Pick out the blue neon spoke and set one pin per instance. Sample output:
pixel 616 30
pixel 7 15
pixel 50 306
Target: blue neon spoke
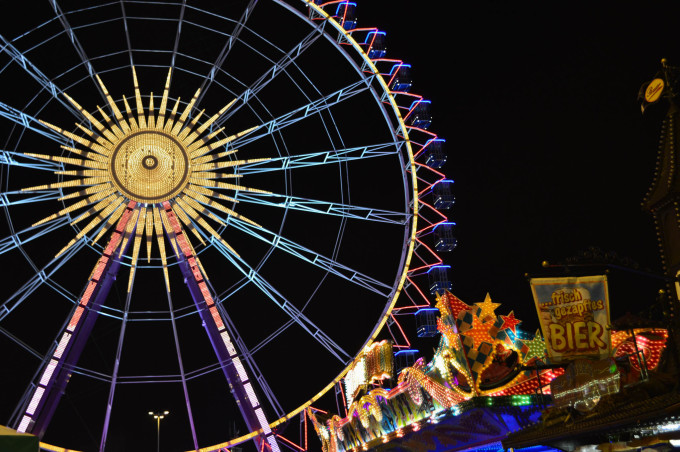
pixel 31 233
pixel 41 277
pixel 312 108
pixel 312 257
pixel 298 317
pixel 32 123
pixel 324 207
pixel 179 32
pixel 127 32
pixel 12 198
pixel 277 68
pixel 37 75
pixel 76 45
pixel 21 343
pixel 12 158
pixel 321 158
pixel 221 58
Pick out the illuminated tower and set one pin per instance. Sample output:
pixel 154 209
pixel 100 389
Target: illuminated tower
pixel 663 197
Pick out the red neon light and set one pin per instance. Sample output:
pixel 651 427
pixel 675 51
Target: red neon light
pixel 88 293
pixel 418 290
pixel 420 99
pixel 99 269
pixel 408 343
pixel 291 443
pixel 434 210
pixel 206 293
pixel 216 317
pixel 305 414
pixel 75 318
pixel 411 307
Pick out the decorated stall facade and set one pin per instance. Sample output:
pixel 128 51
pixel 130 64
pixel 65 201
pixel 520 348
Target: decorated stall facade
pixel 486 379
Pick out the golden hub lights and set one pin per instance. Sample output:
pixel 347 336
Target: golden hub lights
pixel 150 167
pixel 151 157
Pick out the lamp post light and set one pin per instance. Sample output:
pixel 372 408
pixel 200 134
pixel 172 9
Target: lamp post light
pixel 158 415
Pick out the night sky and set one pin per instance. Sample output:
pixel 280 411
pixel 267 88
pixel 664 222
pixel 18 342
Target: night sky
pixel 546 143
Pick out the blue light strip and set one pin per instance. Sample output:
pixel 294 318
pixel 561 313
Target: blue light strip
pixel 321 158
pixel 313 257
pixel 270 292
pixel 29 122
pixel 324 208
pixel 438 266
pixel 303 112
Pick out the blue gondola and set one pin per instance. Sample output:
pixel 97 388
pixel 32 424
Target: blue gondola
pixel 439 279
pixel 377 45
pixel 404 359
pixel 426 322
pixel 346 15
pixel 443 237
pixel 442 196
pixel 400 77
pixel 434 153
pixel 420 114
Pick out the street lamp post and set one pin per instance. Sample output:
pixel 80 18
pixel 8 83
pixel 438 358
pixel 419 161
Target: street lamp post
pixel 158 415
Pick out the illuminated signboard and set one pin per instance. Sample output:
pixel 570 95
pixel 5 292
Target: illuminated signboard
pixel 574 316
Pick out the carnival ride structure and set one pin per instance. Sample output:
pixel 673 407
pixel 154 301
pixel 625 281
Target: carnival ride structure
pixel 283 172
pixel 486 379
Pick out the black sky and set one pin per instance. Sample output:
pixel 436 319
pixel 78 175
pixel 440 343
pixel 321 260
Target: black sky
pixel 545 139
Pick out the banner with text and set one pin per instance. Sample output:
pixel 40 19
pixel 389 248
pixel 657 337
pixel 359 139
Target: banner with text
pixel 574 316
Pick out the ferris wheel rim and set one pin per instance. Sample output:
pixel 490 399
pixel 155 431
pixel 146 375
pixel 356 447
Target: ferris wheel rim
pixel 400 280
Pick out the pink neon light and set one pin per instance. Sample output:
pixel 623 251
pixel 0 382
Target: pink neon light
pixel 24 424
pixel 62 344
pixel 251 394
pixel 240 369
pixel 37 396
pixel 75 318
pixel 227 343
pixel 49 370
pixel 263 421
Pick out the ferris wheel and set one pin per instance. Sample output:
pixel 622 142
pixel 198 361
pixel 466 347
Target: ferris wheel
pixel 200 205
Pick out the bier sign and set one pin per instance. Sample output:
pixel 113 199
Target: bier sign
pixel 574 316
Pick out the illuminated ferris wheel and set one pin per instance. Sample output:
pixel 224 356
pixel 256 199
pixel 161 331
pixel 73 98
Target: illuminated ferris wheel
pixel 201 206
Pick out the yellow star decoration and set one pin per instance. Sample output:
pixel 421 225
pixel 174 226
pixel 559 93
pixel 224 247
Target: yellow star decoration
pixel 488 308
pixel 536 347
pixel 150 158
pixel 479 332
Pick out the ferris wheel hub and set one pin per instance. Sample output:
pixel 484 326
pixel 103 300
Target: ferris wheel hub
pixel 150 166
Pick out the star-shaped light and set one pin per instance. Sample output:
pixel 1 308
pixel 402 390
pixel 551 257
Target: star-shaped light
pixel 487 308
pixel 455 304
pixel 150 158
pixel 536 347
pixel 479 332
pixel 510 322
